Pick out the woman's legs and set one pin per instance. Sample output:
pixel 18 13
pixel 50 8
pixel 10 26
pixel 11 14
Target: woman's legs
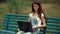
pixel 36 32
pixel 20 32
pixel 28 33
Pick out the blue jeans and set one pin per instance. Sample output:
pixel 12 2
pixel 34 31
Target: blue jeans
pixel 35 32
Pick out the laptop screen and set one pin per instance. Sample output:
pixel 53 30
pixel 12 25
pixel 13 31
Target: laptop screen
pixel 25 26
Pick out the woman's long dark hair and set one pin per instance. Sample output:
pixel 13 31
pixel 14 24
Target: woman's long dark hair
pixel 39 9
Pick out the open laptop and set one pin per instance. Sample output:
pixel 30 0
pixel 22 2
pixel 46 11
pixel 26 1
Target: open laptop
pixel 25 26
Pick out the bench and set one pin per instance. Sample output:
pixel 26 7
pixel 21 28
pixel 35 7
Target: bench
pixel 53 25
pixel 10 24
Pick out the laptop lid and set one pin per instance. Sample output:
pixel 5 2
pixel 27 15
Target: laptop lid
pixel 25 26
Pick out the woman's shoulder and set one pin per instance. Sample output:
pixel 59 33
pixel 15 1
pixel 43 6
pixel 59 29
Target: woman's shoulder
pixel 30 14
pixel 42 14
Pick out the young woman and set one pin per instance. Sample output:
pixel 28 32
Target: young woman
pixel 37 19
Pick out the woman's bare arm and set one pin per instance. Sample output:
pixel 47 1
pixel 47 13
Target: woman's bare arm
pixel 28 19
pixel 43 21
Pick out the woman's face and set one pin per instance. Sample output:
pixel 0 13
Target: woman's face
pixel 35 6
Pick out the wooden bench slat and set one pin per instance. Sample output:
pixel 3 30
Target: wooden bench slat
pixel 56 25
pixel 53 21
pixel 16 19
pixel 51 31
pixel 12 26
pixel 9 32
pixel 10 22
pixel 10 29
pixel 24 15
pixel 52 28
pixel 52 18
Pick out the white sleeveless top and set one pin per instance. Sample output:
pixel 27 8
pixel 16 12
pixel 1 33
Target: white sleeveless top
pixel 38 19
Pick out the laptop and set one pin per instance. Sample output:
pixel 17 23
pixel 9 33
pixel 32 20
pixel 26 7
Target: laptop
pixel 25 26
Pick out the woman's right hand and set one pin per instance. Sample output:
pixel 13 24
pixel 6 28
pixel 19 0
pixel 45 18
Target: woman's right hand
pixel 34 28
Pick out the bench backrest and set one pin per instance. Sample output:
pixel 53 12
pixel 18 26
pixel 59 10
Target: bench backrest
pixel 53 25
pixel 10 23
